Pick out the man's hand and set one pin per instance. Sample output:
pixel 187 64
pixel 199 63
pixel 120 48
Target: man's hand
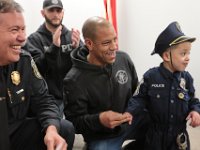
pixel 53 140
pixel 56 36
pixel 194 118
pixel 75 38
pixel 111 119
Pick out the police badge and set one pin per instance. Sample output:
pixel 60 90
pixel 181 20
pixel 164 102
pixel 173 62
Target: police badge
pixel 182 83
pixel 15 77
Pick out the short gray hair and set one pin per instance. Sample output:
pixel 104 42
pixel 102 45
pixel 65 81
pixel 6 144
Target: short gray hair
pixel 10 6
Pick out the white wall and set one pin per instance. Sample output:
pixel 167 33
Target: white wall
pixel 76 12
pixel 139 23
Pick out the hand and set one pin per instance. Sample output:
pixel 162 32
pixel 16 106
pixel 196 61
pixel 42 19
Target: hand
pixel 53 140
pixel 75 38
pixel 111 119
pixel 194 118
pixel 129 116
pixel 56 36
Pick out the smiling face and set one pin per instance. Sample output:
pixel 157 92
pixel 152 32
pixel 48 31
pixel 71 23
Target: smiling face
pixel 103 48
pixel 12 37
pixel 179 58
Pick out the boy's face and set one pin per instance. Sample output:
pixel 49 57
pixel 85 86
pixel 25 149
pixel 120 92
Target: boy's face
pixel 180 57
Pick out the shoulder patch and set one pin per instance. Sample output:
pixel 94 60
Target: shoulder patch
pixel 138 87
pixel 35 70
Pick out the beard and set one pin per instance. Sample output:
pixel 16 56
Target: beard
pixel 48 21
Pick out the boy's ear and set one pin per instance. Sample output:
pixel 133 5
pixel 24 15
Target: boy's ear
pixel 166 56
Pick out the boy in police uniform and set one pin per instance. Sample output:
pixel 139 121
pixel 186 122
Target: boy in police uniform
pixel 168 94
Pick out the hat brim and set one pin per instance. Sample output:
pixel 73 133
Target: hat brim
pixel 54 6
pixel 182 39
pixel 177 41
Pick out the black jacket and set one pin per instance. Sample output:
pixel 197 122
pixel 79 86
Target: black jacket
pixel 90 90
pixel 27 95
pixel 53 62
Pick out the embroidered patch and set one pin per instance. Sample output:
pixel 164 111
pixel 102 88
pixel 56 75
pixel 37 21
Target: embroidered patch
pixel 121 76
pixel 35 70
pixel 138 87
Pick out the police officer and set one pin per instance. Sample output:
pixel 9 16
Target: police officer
pixel 29 117
pixel 51 46
pixel 167 92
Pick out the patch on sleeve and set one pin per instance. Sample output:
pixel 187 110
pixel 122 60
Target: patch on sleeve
pixel 138 87
pixel 35 70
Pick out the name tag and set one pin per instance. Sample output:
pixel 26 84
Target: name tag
pixel 158 85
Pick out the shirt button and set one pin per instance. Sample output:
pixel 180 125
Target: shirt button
pixel 172 101
pixel 158 96
pixel 173 88
pixel 172 116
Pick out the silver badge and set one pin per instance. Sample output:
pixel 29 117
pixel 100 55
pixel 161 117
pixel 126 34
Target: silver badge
pixel 183 83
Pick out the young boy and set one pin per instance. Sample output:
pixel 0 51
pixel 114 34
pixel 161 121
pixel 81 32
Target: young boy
pixel 168 94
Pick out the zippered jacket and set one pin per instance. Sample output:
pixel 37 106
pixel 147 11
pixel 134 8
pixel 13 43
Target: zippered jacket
pixel 53 62
pixel 90 90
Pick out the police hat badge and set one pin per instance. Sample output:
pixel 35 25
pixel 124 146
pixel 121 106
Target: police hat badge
pixel 15 77
pixel 170 36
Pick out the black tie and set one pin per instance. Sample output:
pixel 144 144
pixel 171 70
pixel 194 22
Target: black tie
pixel 4 136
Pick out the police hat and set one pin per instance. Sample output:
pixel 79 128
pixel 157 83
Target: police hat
pixel 172 35
pixel 47 4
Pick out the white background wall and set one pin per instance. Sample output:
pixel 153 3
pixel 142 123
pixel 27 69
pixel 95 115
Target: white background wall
pixel 139 23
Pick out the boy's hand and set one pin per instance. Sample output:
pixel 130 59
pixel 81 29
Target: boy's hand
pixel 194 118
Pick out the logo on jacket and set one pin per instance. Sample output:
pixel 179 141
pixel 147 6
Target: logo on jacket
pixel 15 77
pixel 121 76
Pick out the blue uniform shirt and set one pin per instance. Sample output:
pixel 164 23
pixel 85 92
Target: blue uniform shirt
pixel 169 97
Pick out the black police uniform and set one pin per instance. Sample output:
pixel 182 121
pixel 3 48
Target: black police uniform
pixel 27 98
pixel 168 96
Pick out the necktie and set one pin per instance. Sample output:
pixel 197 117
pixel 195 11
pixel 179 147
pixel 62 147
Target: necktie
pixel 4 136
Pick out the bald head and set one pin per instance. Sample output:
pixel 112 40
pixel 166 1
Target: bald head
pixel 91 26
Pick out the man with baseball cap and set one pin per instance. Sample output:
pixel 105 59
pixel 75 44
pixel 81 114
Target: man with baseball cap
pixel 47 4
pixel 50 47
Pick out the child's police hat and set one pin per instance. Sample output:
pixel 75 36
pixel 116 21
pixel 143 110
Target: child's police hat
pixel 172 35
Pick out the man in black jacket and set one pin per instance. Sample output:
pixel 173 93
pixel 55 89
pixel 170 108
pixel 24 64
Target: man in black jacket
pixel 98 87
pixel 51 46
pixel 29 116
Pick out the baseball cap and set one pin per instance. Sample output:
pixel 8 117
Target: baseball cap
pixel 172 35
pixel 47 4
